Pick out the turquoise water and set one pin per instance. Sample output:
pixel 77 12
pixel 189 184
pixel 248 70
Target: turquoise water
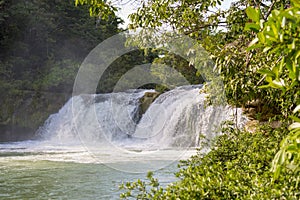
pixel 94 143
pixel 65 174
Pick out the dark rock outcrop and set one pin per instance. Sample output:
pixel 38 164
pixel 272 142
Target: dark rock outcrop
pixel 146 101
pixel 21 115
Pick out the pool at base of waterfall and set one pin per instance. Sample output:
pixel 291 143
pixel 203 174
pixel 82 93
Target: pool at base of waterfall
pixel 97 141
pixel 39 170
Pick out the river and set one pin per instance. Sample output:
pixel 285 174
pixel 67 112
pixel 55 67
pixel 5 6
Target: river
pixel 36 170
pixel 96 142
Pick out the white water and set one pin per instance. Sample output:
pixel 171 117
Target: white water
pixel 175 119
pixel 106 128
pixel 87 148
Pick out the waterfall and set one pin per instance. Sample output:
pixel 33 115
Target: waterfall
pixel 95 118
pixel 176 118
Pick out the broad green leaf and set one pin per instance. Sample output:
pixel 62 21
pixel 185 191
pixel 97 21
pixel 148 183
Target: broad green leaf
pixel 253 13
pixel 275 30
pixel 297 54
pixel 296 119
pixel 267 72
pixel 261 37
pixel 271 38
pixel 295 3
pixel 277 84
pixel 276 72
pixel 255 46
pixel 252 27
pixel 269 79
pixel 288 15
pixel 292 148
pixel 294 67
pixel 289 66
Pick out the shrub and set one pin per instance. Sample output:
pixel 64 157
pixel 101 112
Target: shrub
pixel 237 167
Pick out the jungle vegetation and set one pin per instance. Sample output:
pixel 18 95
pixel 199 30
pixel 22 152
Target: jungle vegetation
pixel 256 49
pixel 255 45
pixel 42 45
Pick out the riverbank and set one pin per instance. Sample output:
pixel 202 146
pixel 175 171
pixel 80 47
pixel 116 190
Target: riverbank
pixel 237 167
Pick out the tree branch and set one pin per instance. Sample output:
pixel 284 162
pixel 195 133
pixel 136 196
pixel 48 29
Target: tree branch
pixel 269 11
pixel 205 26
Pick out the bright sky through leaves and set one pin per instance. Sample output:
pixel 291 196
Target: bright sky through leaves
pixel 129 7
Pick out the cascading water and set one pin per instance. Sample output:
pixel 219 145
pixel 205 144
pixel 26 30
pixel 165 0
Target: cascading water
pixel 179 117
pixel 94 118
pixel 175 119
pixel 109 129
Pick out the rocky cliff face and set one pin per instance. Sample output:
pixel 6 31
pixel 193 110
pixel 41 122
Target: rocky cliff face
pixel 21 114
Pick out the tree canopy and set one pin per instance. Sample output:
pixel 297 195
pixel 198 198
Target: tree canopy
pixel 42 44
pixel 255 47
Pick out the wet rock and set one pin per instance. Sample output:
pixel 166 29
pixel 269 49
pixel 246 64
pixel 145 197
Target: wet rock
pixel 146 101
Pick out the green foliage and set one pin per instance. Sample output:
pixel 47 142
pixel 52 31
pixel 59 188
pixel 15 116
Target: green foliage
pixel 279 36
pixel 179 59
pixel 32 33
pixel 98 8
pixel 60 77
pixel 120 67
pixel 221 33
pixel 186 16
pixel 238 66
pixel 289 154
pixel 180 65
pixel 250 50
pixel 237 167
pixel 141 189
pixel 42 44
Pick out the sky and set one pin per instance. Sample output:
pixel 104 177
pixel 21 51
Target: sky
pixel 128 7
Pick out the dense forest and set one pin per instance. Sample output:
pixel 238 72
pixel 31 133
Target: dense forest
pixel 42 44
pixel 255 45
pixel 256 49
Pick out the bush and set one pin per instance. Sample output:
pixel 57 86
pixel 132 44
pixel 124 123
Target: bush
pixel 237 167
pixel 279 36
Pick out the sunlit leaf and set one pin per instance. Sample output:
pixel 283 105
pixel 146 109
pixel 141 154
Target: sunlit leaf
pixel 253 13
pixel 294 125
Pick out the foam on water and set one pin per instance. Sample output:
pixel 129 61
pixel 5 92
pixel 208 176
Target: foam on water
pixel 107 128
